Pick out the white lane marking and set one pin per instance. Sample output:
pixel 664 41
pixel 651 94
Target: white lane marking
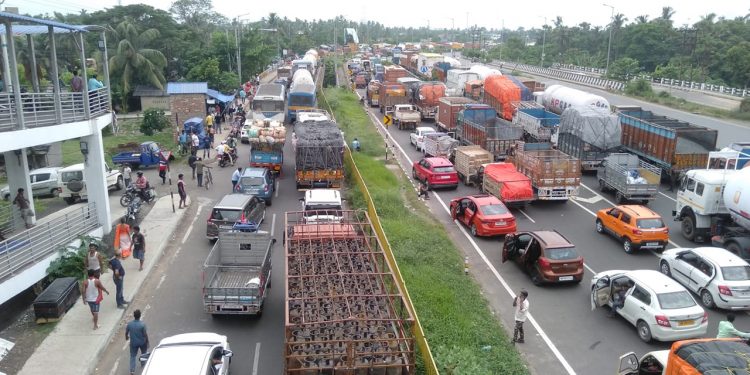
pixel 273 223
pixel 505 285
pixel 256 359
pixel 276 189
pixel 116 365
pixel 592 200
pixel 190 228
pixel 599 195
pixel 668 197
pixel 163 277
pixel 527 215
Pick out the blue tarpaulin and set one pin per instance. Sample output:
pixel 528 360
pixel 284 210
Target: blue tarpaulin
pixel 219 96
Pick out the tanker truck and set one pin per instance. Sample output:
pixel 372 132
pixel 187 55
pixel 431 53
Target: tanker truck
pixel 557 98
pixel 715 202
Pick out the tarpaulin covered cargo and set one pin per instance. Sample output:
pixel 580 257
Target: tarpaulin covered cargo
pixel 320 145
pixel 428 93
pixel 599 129
pixel 708 356
pixel 526 94
pixel 507 184
pixel 500 92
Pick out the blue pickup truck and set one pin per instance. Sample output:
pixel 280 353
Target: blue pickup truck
pixel 267 156
pixel 149 154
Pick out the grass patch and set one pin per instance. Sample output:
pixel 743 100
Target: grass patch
pixel 463 334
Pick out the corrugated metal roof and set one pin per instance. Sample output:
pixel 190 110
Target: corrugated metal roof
pixel 219 96
pixel 187 88
pixel 142 90
pixel 19 18
pixel 19 30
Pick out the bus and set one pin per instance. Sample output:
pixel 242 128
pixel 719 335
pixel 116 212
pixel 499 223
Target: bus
pixel 268 102
pixel 301 94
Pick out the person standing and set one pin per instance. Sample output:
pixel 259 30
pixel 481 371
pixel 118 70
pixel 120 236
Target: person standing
pixel 93 260
pixel 118 276
pixel 137 334
pixel 123 242
pixel 94 83
pixel 236 178
pixel 23 205
pixel 181 191
pixel 191 162
pixel 199 171
pixel 76 84
pixel 196 142
pixel 521 304
pixel 127 175
pixel 92 295
pixel 139 246
pixel 163 168
pixel 207 146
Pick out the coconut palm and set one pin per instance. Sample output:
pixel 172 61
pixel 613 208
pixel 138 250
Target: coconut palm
pixel 133 61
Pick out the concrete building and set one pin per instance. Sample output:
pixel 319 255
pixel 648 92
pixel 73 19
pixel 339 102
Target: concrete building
pixel 151 97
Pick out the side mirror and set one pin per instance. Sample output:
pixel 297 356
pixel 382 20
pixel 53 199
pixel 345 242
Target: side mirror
pixel 628 364
pixel 228 353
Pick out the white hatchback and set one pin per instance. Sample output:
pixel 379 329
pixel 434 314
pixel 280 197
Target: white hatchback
pixel 188 353
pixel 720 278
pixel 656 305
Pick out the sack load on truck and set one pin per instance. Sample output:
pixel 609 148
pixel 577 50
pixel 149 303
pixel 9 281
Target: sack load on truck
pixel 589 135
pixel 266 132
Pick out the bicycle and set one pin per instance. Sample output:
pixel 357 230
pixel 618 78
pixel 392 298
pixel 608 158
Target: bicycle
pixel 207 178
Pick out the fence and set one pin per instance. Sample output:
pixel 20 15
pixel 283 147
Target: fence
pixel 590 80
pixel 44 239
pixel 39 108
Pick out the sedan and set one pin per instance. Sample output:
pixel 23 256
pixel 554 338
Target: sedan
pixel 659 307
pixel 485 215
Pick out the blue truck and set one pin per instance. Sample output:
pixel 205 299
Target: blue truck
pixel 264 155
pixel 149 154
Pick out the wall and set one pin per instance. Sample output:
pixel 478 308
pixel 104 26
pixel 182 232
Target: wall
pixel 185 106
pixel 158 102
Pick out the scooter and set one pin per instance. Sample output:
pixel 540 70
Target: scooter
pixel 134 208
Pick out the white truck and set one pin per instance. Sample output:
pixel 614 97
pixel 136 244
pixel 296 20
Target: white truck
pixel 73 182
pixel 716 202
pixel 322 205
pixel 406 116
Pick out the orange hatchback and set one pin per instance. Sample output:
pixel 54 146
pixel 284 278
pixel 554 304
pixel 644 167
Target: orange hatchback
pixel 638 227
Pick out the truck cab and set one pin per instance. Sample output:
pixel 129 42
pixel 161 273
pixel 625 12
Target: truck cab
pixel 322 205
pixel 149 154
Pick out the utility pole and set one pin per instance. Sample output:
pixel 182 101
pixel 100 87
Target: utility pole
pixel 237 41
pixel 609 44
pixel 544 39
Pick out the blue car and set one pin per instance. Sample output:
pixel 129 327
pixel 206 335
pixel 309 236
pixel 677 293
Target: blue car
pixel 258 182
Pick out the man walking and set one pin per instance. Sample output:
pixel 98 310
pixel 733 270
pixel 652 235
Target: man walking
pixel 521 304
pixel 199 171
pixel 137 334
pixel 127 175
pixel 92 295
pixel 195 143
pixel 23 205
pixel 181 191
pixel 191 162
pixel 139 246
pixel 118 275
pixel 236 178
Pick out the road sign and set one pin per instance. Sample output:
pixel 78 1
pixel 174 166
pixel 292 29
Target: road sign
pixel 387 119
pixel 423 69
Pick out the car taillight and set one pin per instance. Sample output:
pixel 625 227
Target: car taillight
pixel 637 231
pixel 662 320
pixel 723 289
pixel 705 317
pixel 543 262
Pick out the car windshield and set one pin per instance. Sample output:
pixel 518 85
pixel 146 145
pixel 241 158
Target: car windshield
pixel 447 169
pixel 70 176
pixel 561 253
pixel 251 181
pixel 736 273
pixel 675 300
pixel 493 209
pixel 226 215
pixel 650 223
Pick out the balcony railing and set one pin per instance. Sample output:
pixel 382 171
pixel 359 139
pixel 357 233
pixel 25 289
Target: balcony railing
pixel 39 108
pixel 34 244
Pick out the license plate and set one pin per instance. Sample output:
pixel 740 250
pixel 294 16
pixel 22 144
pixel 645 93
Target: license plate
pixel 652 243
pixel 225 227
pixel 445 177
pixel 499 223
pixel 566 278
pixel 684 323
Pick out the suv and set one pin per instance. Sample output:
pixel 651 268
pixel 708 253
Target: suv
pixel 232 209
pixel 44 181
pixel 417 137
pixel 188 353
pixel 73 183
pixel 720 278
pixel 638 227
pixel 435 172
pixel 322 205
pixel 258 182
pixel 545 255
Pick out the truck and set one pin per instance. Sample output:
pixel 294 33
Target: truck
pixel 507 184
pixel 149 154
pixel 267 138
pixel 339 289
pixel 468 161
pixel 237 273
pixel 539 125
pixel 715 202
pixel 456 80
pixel 554 175
pixel 373 93
pixel 322 205
pixel 589 135
pixel 438 144
pixel 690 357
pixel 447 112
pixel 319 155
pixel 392 94
pixel 393 73
pixel 361 79
pixel 557 98
pixel 478 124
pixel 474 89
pixel 671 144
pixel 425 98
pixel 501 93
pixel 629 177
pixel 405 116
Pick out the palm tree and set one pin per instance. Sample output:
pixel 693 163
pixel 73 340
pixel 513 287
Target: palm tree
pixel 133 61
pixel 641 19
pixel 667 13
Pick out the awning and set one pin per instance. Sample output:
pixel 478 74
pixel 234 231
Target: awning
pixel 219 96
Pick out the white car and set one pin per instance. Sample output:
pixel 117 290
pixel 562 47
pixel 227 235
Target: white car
pixel 44 181
pixel 73 182
pixel 417 137
pixel 245 134
pixel 720 278
pixel 659 307
pixel 187 353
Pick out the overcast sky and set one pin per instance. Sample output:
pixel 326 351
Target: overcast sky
pixel 438 13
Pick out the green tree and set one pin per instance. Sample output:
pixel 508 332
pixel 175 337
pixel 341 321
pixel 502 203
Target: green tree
pixel 208 71
pixel 623 69
pixel 154 120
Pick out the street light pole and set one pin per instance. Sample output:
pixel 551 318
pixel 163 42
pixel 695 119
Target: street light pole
pixel 609 44
pixel 544 39
pixel 237 37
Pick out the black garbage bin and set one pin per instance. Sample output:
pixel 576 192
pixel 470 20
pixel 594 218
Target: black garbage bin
pixel 58 298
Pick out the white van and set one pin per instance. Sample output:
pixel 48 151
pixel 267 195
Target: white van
pixel 73 183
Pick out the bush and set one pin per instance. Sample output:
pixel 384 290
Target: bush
pixel 70 263
pixel 154 120
pixel 639 87
pixel 745 105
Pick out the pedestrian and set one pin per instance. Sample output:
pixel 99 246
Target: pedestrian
pixel 118 276
pixel 242 96
pixel 191 162
pixel 356 145
pixel 209 121
pixel 236 178
pixel 183 143
pixel 76 84
pixel 23 205
pixel 521 304
pixel 423 191
pixel 127 174
pixel 123 242
pixel 199 171
pixel 163 168
pixel 94 260
pixel 207 145
pixel 137 334
pixel 94 83
pixel 181 191
pixel 196 142
pixel 92 295
pixel 727 330
pixel 139 246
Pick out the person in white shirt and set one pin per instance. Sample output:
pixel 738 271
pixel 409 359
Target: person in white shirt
pixel 195 141
pixel 236 178
pixel 220 150
pixel 127 174
pixel 521 304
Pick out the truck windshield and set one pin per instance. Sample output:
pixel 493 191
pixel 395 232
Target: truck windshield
pixel 301 100
pixel 493 209
pixel 70 176
pixel 268 105
pixel 736 273
pixel 561 253
pixel 444 169
pixel 675 300
pixel 311 208
pixel 649 223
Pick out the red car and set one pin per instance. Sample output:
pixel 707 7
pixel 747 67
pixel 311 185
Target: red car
pixel 485 215
pixel 435 172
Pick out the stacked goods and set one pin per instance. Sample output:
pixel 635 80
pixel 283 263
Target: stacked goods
pixel 267 134
pixel 588 134
pixel 507 184
pixel 439 144
pixel 478 124
pixel 501 93
pixel 554 174
pixel 345 313
pixel 440 71
pixel 526 93
pixel 447 112
pixel 373 93
pixel 468 160
pixel 426 98
pixel 473 89
pixel 534 86
pixel 319 155
pixel 538 124
pixel 557 98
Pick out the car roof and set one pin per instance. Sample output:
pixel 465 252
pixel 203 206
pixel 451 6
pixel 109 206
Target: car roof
pixel 425 128
pixel 323 195
pixel 45 170
pixel 551 238
pixel 721 257
pixel 178 359
pixel 194 337
pixel 74 167
pixel 638 210
pixel 254 172
pixel 655 280
pixel 233 201
pixel 439 162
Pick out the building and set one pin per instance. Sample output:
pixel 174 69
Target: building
pixel 151 97
pixel 187 100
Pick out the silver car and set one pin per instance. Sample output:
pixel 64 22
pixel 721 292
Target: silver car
pixel 188 353
pixel 44 182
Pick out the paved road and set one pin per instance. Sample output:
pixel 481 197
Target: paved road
pixel 589 342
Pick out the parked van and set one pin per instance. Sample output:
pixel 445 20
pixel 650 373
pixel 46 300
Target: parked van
pixel 233 209
pixel 258 182
pixel 44 182
pixel 73 182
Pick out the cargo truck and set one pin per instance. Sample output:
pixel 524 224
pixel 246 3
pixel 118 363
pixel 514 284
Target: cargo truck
pixel 405 116
pixel 425 98
pixel 343 305
pixel 690 357
pixel 502 94
pixel 507 184
pixel 478 124
pixel 319 155
pixel 589 135
pixel 393 73
pixel 539 125
pixel 373 93
pixel 267 138
pixel 468 161
pixel 558 98
pixel 392 94
pixel 456 80
pixel 438 144
pixel 554 174
pixel 447 112
pixel 237 273
pixel 629 177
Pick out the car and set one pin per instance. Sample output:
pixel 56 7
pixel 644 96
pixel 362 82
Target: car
pixel 435 172
pixel 44 182
pixel 233 209
pixel 245 134
pixel 659 307
pixel 485 215
pixel 546 255
pixel 73 182
pixel 720 278
pixel 417 137
pixel 257 181
pixel 188 353
pixel 638 227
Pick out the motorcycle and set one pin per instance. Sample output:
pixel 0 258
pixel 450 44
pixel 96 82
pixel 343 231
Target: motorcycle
pixel 134 208
pixel 132 192
pixel 225 159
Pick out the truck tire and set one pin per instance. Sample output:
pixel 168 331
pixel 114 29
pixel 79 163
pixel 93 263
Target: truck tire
pixel 619 198
pixel 688 227
pixel 734 248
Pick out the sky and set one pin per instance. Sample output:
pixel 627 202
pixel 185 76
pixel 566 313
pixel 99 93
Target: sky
pixel 432 13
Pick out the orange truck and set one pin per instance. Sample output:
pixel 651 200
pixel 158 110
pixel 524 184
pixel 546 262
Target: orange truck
pixel 507 184
pixel 426 98
pixel 501 93
pixel 391 94
pixel 690 357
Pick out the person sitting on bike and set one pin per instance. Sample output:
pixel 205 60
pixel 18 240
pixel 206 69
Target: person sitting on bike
pixel 229 151
pixel 232 142
pixel 141 183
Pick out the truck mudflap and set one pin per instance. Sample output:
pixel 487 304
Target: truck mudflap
pixel 556 193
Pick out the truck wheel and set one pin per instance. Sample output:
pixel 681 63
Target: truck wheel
pixel 619 198
pixel 688 227
pixel 734 248
pixel 119 184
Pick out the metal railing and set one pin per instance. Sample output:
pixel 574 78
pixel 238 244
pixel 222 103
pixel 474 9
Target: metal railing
pixel 32 245
pixel 585 79
pixel 39 109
